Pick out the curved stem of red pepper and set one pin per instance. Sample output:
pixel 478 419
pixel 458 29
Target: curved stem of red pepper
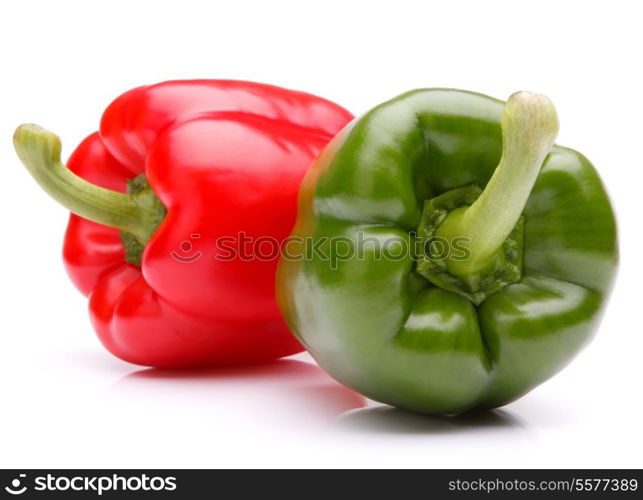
pixel 529 128
pixel 39 150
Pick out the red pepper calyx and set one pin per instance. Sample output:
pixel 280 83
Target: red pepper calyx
pixel 136 213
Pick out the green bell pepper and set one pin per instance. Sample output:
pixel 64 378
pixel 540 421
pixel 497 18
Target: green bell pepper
pixel 447 255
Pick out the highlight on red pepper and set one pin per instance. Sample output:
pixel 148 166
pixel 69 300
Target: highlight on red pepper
pixel 175 167
pixel 516 258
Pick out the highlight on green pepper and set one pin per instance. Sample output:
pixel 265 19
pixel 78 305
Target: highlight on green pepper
pixel 445 332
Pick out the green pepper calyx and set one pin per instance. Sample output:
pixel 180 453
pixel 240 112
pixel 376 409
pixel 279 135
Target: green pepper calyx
pixel 488 224
pixel 504 268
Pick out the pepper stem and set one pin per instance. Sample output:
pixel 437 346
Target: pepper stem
pixel 39 150
pixel 529 127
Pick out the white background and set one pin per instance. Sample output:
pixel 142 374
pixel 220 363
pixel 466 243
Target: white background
pixel 66 402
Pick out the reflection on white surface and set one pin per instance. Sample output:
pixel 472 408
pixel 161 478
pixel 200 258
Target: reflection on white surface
pixel 385 420
pixel 283 395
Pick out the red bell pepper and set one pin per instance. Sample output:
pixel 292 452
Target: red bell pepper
pixel 219 159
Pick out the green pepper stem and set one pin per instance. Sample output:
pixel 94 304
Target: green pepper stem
pixel 529 127
pixel 39 150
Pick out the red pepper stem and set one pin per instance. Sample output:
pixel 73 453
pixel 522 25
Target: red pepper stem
pixel 529 127
pixel 39 150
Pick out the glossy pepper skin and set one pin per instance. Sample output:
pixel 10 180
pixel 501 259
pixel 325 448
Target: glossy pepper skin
pixel 223 158
pixel 378 325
